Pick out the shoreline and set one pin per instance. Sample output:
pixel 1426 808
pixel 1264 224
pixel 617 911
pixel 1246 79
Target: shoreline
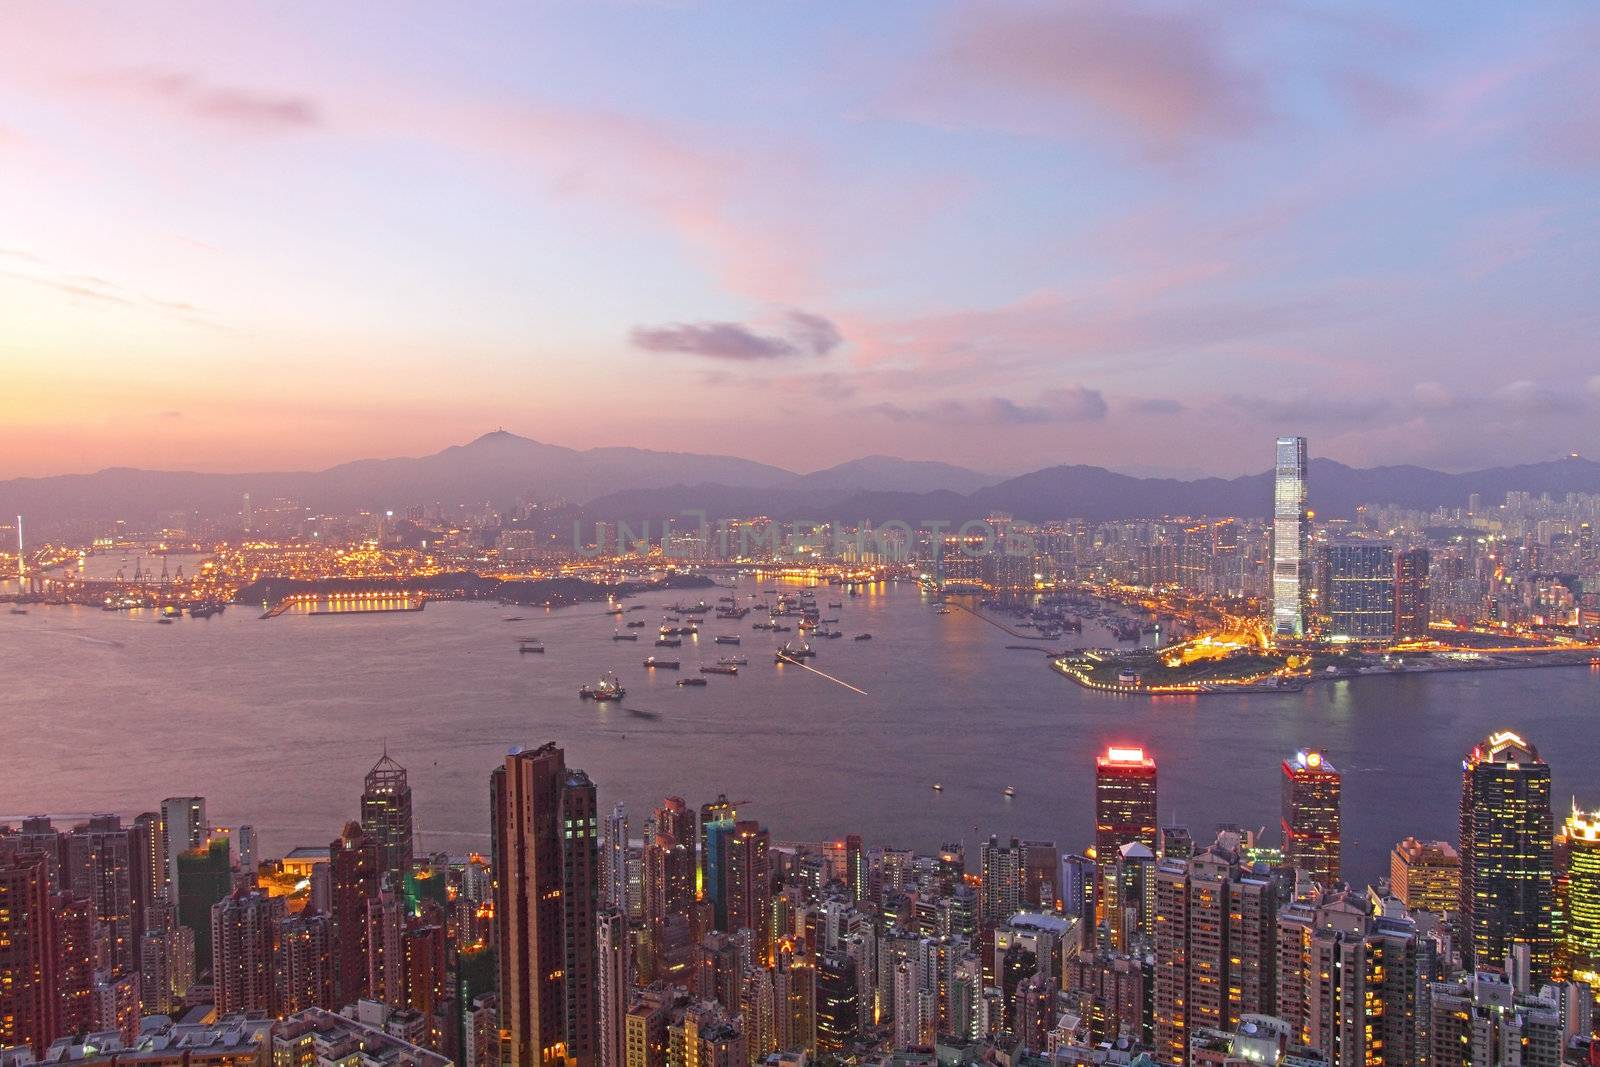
pixel 1299 684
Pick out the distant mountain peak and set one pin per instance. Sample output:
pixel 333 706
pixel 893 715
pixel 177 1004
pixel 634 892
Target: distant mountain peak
pixel 498 436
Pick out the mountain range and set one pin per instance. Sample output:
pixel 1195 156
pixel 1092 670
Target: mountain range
pixel 635 484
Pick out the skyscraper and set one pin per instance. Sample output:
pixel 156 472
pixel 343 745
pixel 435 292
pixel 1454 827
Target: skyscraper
pixel 1000 888
pixel 27 952
pixel 1411 601
pixel 1426 876
pixel 1347 981
pixel 1311 819
pixel 716 822
pixel 546 851
pixel 353 876
pixel 749 886
pixel 1124 801
pixel 99 867
pixel 837 1003
pixel 205 876
pixel 244 943
pixel 183 827
pixel 1361 591
pixel 1215 936
pixel 614 968
pixel 1507 854
pixel 386 814
pixel 1582 942
pixel 1291 539
pixel 616 858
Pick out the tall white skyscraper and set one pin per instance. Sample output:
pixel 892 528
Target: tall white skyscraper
pixel 183 827
pixel 1291 539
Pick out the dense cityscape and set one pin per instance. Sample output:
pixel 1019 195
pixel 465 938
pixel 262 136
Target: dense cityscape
pixel 708 533
pixel 690 936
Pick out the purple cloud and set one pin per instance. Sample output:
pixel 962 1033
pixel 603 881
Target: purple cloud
pixel 1074 404
pixel 801 334
pixel 1163 76
pixel 245 110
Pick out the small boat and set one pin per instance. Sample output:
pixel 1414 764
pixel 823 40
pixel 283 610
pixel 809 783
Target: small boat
pixel 165 620
pixel 607 688
pixel 652 663
pixel 1008 792
pixel 943 611
pixel 531 646
pixel 634 624
pixel 793 651
pixel 733 661
pixel 938 787
pixel 691 681
pixel 727 639
pixel 863 637
pixel 669 642
pixel 624 637
pixel 719 668
pixel 513 618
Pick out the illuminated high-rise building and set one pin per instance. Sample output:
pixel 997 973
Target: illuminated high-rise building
pixel 100 860
pixel 616 858
pixel 1215 940
pixel 614 988
pixel 1581 949
pixel 245 927
pixel 1347 981
pixel 27 952
pixel 1124 801
pixel 1361 591
pixel 1507 854
pixel 669 888
pixel 386 814
pixel 546 854
pixel 354 877
pixel 1311 818
pixel 183 828
pixel 1411 601
pixel 1426 875
pixel 748 886
pixel 1291 539
pixel 1000 888
pixel 855 867
pixel 716 822
pixel 837 1003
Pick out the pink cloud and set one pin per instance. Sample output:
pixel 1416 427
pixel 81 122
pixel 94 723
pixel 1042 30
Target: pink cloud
pixel 1163 78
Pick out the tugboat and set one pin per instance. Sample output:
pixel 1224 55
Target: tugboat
pixel 607 688
pixel 652 663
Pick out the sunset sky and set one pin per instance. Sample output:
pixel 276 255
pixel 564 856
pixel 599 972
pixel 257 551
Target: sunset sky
pixel 999 234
